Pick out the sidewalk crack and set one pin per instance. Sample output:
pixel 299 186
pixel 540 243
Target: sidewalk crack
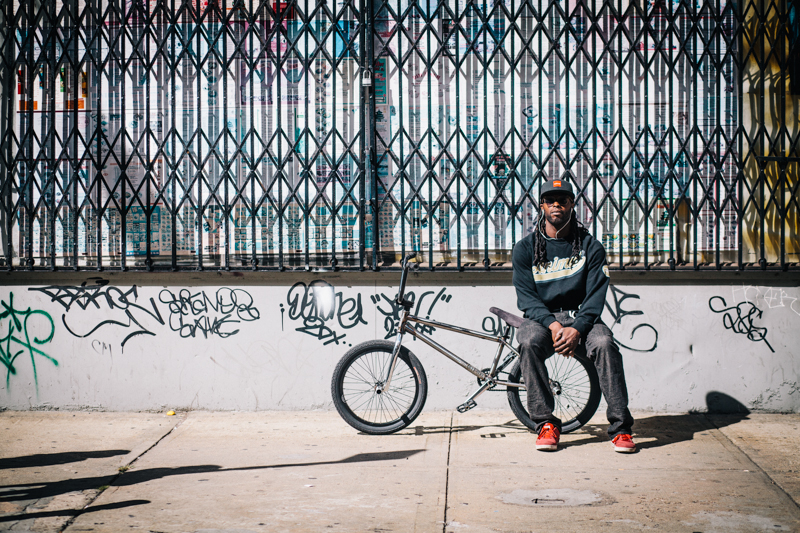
pixel 447 475
pixel 756 466
pixel 121 471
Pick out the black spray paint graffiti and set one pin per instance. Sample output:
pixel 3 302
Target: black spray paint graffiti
pixel 494 326
pixel 392 314
pixel 320 306
pixel 18 340
pixel 614 301
pixel 746 312
pixel 192 312
pixel 101 296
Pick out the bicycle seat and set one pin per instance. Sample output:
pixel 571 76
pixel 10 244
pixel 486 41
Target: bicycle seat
pixel 509 318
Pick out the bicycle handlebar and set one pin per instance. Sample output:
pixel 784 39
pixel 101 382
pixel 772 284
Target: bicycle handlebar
pixel 403 276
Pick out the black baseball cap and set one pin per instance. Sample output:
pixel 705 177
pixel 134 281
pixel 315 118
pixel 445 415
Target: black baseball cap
pixel 557 187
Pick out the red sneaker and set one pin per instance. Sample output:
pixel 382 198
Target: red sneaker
pixel 548 438
pixel 624 444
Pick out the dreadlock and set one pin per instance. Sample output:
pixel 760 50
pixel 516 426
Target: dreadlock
pixel 576 234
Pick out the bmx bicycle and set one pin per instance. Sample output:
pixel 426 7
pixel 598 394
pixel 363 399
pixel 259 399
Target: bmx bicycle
pixel 379 386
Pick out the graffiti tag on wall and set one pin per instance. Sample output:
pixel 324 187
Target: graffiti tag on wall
pixel 321 309
pixel 189 313
pixel 391 312
pixel 766 297
pixel 325 312
pixel 643 342
pixel 739 319
pixel 18 339
pixel 192 312
pixel 493 325
pixel 615 297
pixel 102 296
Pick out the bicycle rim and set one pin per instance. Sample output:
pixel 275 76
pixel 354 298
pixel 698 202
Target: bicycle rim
pixel 359 383
pixel 570 385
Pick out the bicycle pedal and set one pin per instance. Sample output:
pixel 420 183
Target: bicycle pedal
pixel 466 406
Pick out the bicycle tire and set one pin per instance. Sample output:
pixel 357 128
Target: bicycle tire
pixel 579 395
pixel 353 388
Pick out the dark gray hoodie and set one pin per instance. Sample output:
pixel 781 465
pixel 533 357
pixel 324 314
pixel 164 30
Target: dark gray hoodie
pixel 561 283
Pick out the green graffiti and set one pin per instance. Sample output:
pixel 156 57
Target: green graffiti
pixel 18 339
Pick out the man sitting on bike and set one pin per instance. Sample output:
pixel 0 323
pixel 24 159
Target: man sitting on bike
pixel 561 278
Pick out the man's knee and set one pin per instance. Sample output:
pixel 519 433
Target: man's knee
pixel 602 345
pixel 533 335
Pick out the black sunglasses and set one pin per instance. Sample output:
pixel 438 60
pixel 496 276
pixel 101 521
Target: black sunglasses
pixel 560 198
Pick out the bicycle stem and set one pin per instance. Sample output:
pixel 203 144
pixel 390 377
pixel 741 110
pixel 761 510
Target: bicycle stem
pixel 405 266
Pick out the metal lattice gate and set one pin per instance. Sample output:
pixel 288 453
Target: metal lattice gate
pixel 175 134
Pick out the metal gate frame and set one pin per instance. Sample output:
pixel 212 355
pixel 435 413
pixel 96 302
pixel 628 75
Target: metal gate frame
pixel 477 185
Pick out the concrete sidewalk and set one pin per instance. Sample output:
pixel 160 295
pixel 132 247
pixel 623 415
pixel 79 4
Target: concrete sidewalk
pixel 309 471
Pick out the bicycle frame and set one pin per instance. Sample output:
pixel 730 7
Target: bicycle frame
pixel 490 379
pixel 380 388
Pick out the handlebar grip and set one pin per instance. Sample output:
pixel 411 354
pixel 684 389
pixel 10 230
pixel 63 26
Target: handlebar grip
pixel 408 258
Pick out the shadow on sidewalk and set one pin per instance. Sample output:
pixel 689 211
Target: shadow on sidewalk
pixel 72 512
pixel 35 491
pixel 433 430
pixel 50 459
pixel 721 411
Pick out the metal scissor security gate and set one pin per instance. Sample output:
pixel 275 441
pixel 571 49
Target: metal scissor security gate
pixel 185 134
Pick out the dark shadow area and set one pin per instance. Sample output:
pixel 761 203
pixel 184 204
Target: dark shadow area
pixel 375 456
pixel 432 430
pixel 512 424
pixel 73 512
pixel 719 403
pixel 50 459
pixel 722 410
pixel 35 491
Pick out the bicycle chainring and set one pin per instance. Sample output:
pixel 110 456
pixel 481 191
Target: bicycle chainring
pixel 482 381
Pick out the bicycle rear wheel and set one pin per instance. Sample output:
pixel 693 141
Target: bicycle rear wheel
pixel 354 388
pixel 575 387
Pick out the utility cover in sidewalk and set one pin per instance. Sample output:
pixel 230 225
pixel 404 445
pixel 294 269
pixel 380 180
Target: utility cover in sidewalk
pixel 552 497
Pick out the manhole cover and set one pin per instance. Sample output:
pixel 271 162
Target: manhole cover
pixel 552 497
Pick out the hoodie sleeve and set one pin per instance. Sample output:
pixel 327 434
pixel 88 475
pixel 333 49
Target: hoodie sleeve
pixel 597 282
pixel 528 299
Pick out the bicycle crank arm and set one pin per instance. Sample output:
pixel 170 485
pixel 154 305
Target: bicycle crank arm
pixel 470 403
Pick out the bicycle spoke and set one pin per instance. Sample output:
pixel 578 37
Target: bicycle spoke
pixel 571 371
pixel 571 402
pixel 359 388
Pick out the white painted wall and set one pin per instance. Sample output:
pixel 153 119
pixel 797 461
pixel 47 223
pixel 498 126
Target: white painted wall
pixel 269 362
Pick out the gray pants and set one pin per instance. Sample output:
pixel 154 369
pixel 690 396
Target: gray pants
pixel 599 346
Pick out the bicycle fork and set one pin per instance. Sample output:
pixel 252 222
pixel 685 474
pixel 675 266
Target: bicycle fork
pixel 398 342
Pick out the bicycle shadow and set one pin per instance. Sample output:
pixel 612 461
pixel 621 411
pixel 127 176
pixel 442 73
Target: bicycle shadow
pixel 434 430
pixel 513 425
pixel 721 411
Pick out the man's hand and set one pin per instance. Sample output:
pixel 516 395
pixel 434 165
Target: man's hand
pixel 566 340
pixel 555 330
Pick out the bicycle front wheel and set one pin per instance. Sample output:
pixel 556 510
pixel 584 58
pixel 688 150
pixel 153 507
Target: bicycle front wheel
pixel 355 383
pixel 575 388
